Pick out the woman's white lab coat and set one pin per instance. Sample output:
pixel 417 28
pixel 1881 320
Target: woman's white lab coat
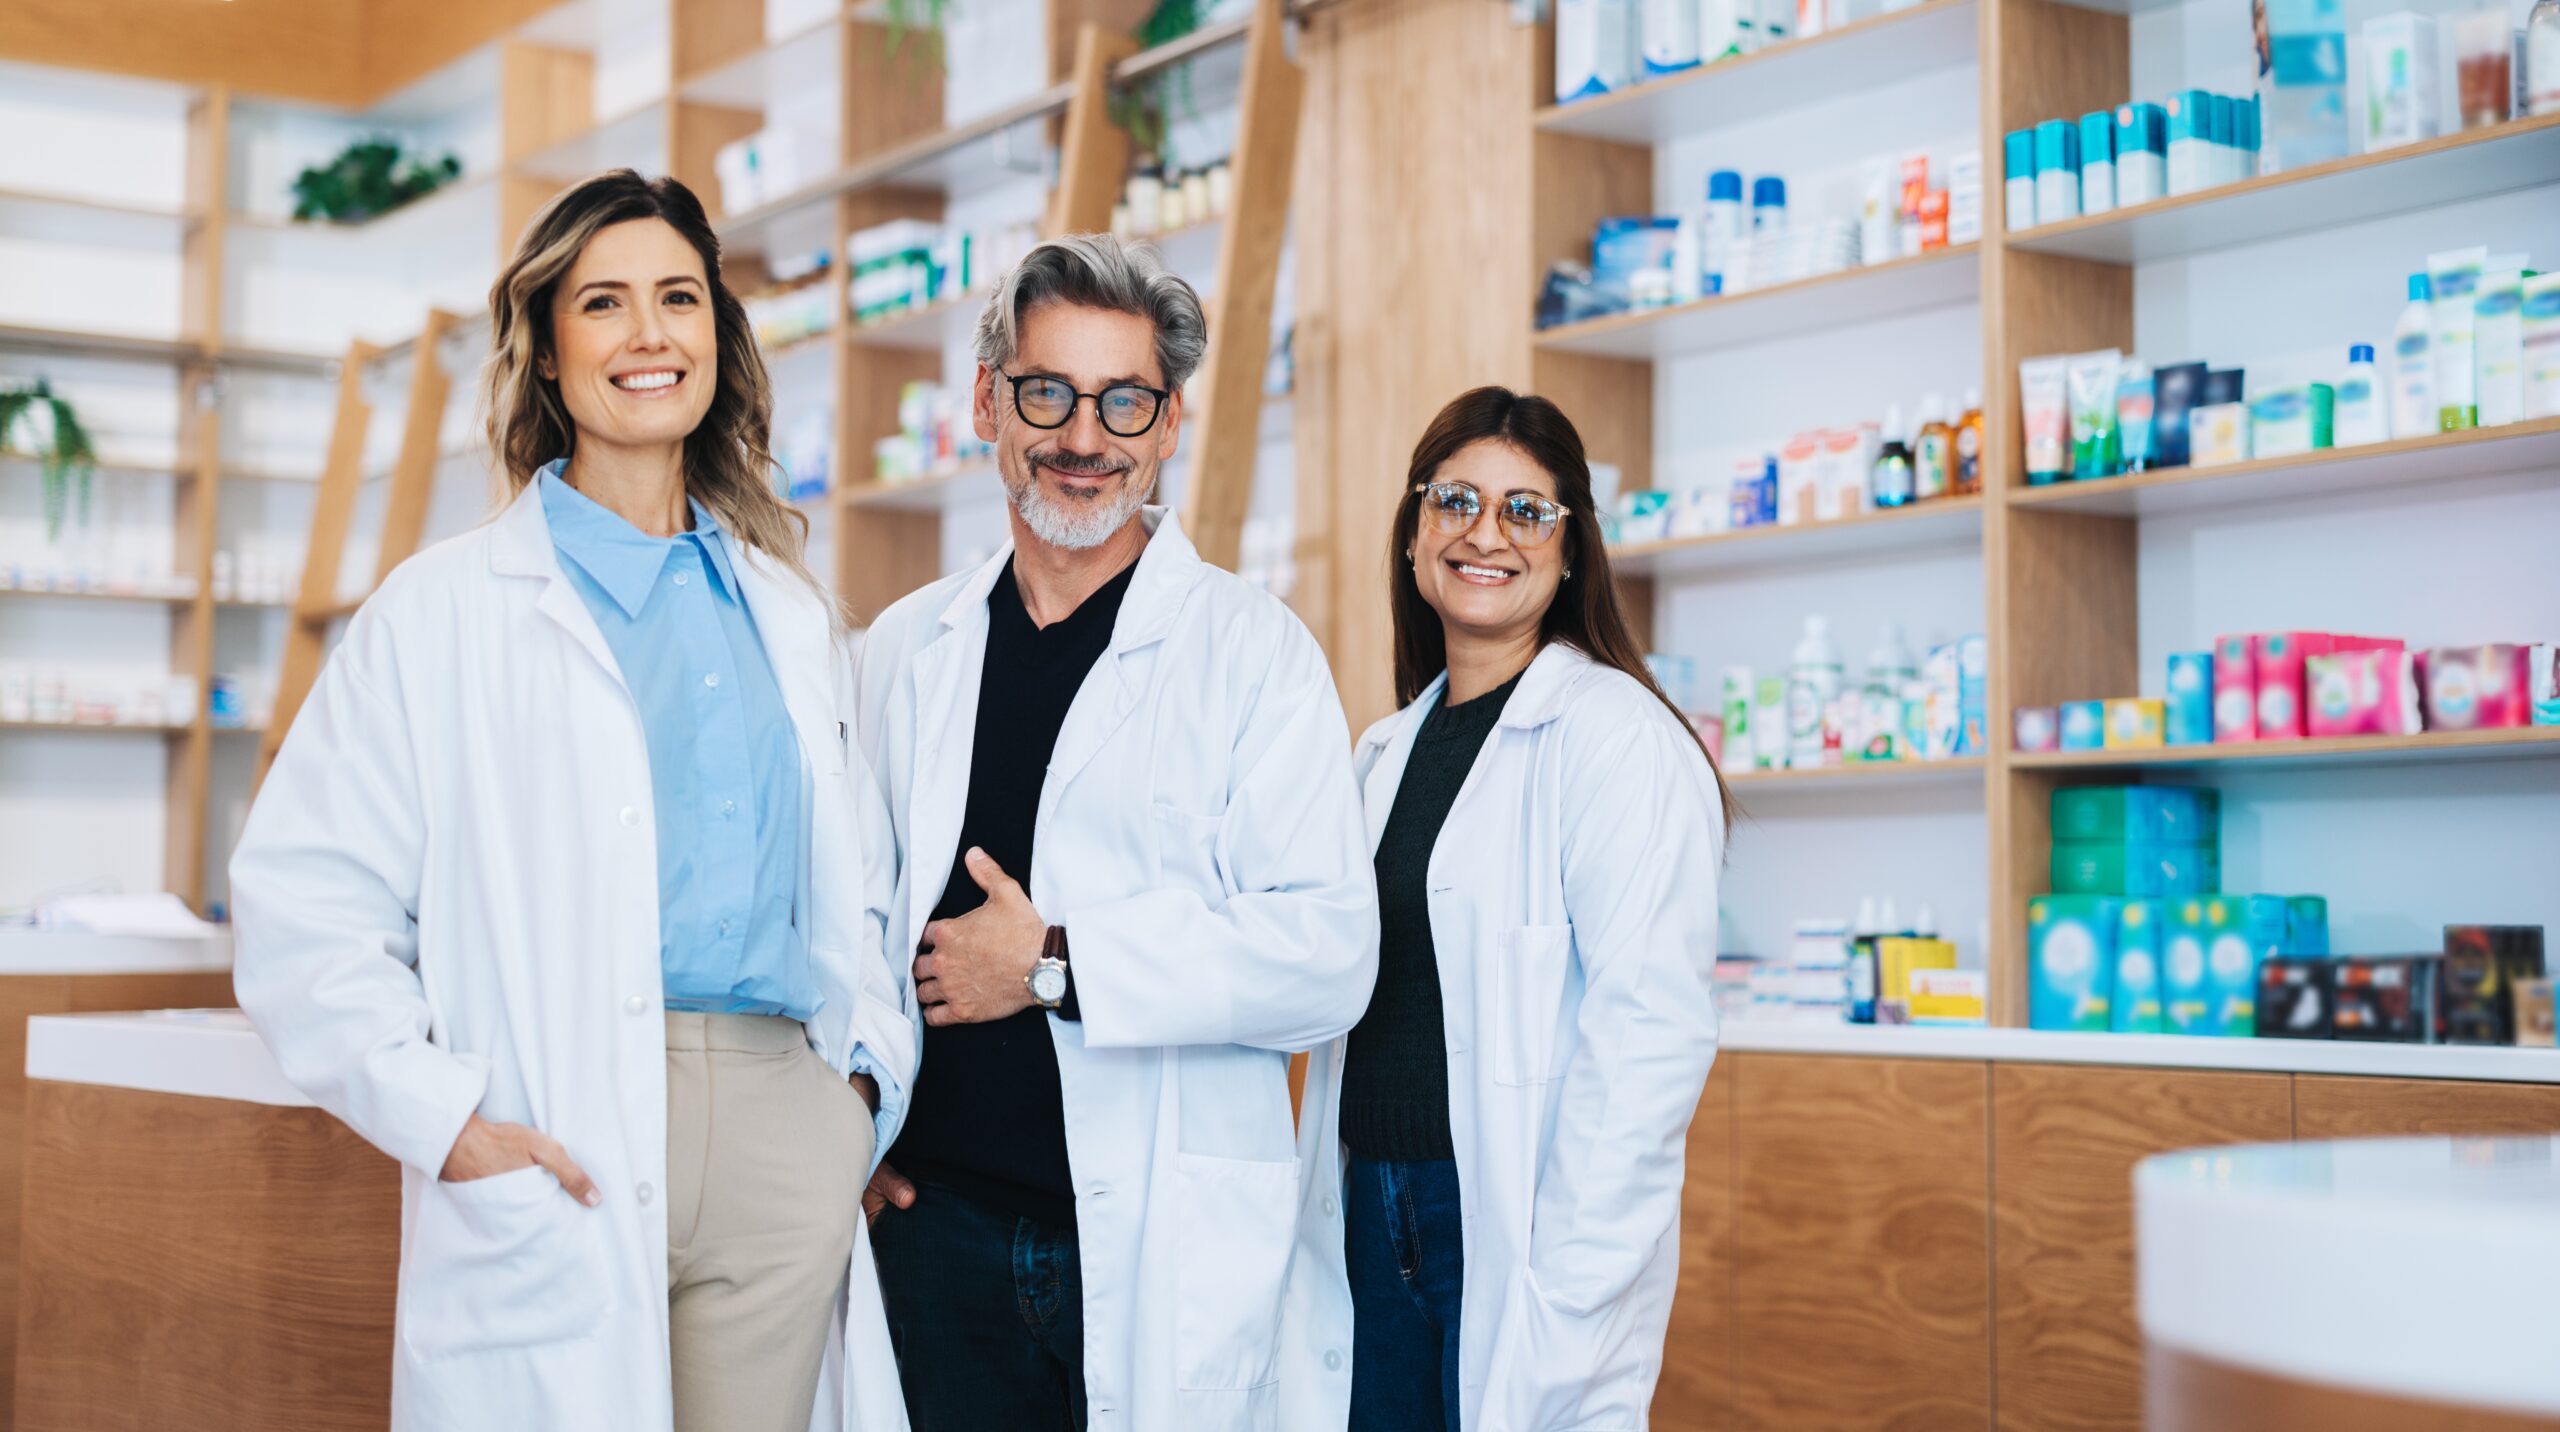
pixel 446 900
pixel 1199 839
pixel 1573 912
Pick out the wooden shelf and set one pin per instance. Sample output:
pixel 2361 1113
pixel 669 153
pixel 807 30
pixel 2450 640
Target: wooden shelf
pixel 2403 462
pixel 1942 522
pixel 1939 279
pixel 65 594
pixel 132 217
pixel 925 494
pixel 145 348
pixel 806 61
pixel 482 186
pixel 1938 34
pixel 931 328
pixel 2506 743
pixel 2473 164
pixel 637 138
pixel 93 728
pixel 957 160
pixel 797 348
pixel 1955 770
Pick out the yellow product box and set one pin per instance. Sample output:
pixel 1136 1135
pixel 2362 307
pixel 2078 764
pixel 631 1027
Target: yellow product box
pixel 1897 956
pixel 1950 997
pixel 2137 723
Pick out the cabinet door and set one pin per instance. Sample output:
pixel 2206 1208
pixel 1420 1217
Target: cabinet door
pixel 1861 1237
pixel 2064 1141
pixel 1696 1391
pixel 2336 1107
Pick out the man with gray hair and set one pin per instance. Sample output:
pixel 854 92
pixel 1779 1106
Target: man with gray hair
pixel 1134 871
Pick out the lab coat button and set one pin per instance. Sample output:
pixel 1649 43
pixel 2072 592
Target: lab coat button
pixel 630 815
pixel 644 1193
pixel 1332 1361
pixel 637 1004
pixel 1328 1205
pixel 713 680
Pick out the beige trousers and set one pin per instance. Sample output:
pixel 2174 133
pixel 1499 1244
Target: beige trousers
pixel 766 1155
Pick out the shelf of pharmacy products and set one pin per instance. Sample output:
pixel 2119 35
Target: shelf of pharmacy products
pixel 1941 278
pixel 2530 447
pixel 146 348
pixel 2510 743
pixel 1864 55
pixel 953 322
pixel 2471 164
pixel 165 599
pixel 932 492
pixel 1940 522
pixel 120 728
pixel 2157 1051
pixel 1857 775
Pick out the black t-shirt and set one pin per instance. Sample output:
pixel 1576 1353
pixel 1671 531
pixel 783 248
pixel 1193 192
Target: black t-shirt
pixel 1395 1074
pixel 987 1117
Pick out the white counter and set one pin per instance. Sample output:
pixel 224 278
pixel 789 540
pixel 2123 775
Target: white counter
pixel 2159 1051
pixel 204 1053
pixel 2416 1268
pixel 65 952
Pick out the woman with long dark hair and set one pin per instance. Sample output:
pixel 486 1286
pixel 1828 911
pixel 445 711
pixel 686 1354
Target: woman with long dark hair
pixel 1494 1154
pixel 568 888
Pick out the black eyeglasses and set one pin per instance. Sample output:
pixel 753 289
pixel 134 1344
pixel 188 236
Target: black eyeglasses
pixel 1453 509
pixel 1126 410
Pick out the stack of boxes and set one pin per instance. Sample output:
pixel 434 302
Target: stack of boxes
pixel 2485 987
pixel 2135 937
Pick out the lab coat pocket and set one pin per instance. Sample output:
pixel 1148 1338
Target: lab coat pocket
pixel 1187 852
pixel 1528 999
pixel 508 1262
pixel 1238 1220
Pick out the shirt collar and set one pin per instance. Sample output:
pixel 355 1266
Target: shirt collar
pixel 622 559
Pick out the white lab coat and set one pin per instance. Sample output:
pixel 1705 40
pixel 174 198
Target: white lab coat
pixel 447 903
pixel 1573 913
pixel 1199 839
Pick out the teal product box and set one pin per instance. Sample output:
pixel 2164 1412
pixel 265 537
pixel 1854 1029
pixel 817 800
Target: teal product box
pixel 2070 960
pixel 2205 955
pixel 2306 925
pixel 2135 868
pixel 2084 725
pixel 2233 966
pixel 2133 1005
pixel 1973 696
pixel 2166 815
pixel 2306 118
pixel 2190 698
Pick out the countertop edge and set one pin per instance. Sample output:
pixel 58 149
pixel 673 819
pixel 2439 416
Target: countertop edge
pixel 2479 1063
pixel 196 1054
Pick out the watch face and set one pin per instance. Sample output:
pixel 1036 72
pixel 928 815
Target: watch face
pixel 1048 984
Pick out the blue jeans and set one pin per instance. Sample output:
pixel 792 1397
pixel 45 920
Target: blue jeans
pixel 1403 1241
pixel 986 1311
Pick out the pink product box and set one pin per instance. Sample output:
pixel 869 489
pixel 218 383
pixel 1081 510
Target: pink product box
pixel 2477 688
pixel 2036 728
pixel 2280 677
pixel 2363 693
pixel 2235 690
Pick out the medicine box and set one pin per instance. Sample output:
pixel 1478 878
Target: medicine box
pixel 2389 998
pixel 2135 868
pixel 1950 997
pixel 2036 728
pixel 2482 964
pixel 2070 960
pixel 2233 965
pixel 1973 692
pixel 2133 1005
pixel 2186 815
pixel 2536 1026
pixel 2294 999
pixel 1896 957
pixel 2542 676
pixel 2186 999
pixel 2306 930
pixel 2402 96
pixel 2084 725
pixel 2362 693
pixel 2277 660
pixel 2235 689
pixel 2476 688
pixel 2187 718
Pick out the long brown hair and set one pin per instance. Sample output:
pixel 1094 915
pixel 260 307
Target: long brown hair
pixel 1585 614
pixel 728 459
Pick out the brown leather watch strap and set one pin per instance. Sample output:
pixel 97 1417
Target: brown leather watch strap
pixel 1053 946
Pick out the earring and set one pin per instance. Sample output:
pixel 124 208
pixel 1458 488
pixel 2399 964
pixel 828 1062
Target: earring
pixel 1408 556
pixel 1568 574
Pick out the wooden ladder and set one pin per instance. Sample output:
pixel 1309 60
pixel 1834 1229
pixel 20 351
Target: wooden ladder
pixel 317 607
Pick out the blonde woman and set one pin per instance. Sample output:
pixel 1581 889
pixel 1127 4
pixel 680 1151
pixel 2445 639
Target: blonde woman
pixel 567 890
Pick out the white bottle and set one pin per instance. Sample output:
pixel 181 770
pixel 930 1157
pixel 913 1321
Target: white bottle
pixel 2359 416
pixel 2542 58
pixel 1889 663
pixel 2413 365
pixel 1670 36
pixel 1813 683
pixel 1726 28
pixel 1688 258
pixel 1720 246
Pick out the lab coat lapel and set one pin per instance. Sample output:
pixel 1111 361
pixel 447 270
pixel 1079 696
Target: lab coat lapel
pixel 1167 569
pixel 1394 736
pixel 799 643
pixel 522 548
pixel 947 672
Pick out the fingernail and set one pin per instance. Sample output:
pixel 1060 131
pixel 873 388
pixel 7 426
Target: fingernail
pixel 594 1197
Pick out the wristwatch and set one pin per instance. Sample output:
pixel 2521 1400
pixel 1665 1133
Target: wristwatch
pixel 1048 978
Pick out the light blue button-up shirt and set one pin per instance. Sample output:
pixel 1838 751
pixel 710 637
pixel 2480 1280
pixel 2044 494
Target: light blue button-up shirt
pixel 724 761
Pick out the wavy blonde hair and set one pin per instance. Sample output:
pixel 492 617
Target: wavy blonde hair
pixel 728 460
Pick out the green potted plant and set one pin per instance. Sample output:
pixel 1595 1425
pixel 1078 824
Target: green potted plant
pixel 367 180
pixel 1145 109
pixel 36 425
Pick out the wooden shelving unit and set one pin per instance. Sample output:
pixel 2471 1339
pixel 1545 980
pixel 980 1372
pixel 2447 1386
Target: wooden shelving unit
pixel 2528 447
pixel 2497 743
pixel 1945 521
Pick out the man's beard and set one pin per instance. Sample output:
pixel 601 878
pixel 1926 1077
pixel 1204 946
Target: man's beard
pixel 1074 523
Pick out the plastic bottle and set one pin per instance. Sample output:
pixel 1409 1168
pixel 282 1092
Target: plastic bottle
pixel 1727 28
pixel 1862 964
pixel 1889 483
pixel 2413 365
pixel 1722 242
pixel 1969 445
pixel 1926 926
pixel 1813 683
pixel 1889 663
pixel 1933 453
pixel 2359 415
pixel 2542 58
pixel 1668 31
pixel 1768 204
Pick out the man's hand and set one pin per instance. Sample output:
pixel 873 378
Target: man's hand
pixel 869 1089
pixel 888 1188
pixel 973 970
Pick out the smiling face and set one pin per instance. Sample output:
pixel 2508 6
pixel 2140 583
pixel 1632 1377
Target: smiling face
pixel 1075 485
pixel 634 346
pixel 1483 584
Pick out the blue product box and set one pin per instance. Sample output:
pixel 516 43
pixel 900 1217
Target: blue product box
pixel 2135 868
pixel 1621 246
pixel 2190 699
pixel 2306 118
pixel 2306 930
pixel 2203 930
pixel 2133 1006
pixel 2165 815
pixel 2233 964
pixel 2070 960
pixel 1973 700
pixel 2084 725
